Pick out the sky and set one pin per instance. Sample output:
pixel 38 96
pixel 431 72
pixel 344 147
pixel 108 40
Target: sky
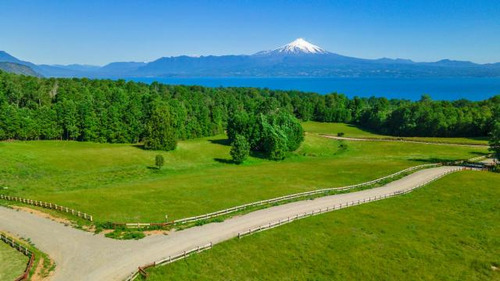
pixel 100 32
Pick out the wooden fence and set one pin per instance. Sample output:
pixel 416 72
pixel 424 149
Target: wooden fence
pixel 170 259
pixel 47 205
pixel 298 195
pixel 142 269
pixel 25 251
pixel 341 206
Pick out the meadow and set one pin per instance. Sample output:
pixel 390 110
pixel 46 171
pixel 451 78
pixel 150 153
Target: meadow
pixel 12 262
pixel 118 182
pixel 447 230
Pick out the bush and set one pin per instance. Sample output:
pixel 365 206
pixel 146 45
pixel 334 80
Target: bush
pixel 496 169
pixel 159 161
pixel 240 148
pixel 340 134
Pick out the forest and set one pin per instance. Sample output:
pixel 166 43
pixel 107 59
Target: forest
pixel 119 111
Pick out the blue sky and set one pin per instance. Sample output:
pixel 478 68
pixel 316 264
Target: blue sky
pixel 99 32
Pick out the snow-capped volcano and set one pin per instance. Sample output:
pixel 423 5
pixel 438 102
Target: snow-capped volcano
pixel 297 47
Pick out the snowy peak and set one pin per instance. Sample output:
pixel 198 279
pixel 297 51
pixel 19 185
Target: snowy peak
pixel 297 47
pixel 301 46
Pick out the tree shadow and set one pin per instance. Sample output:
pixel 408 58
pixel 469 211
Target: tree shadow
pixel 433 160
pixel 153 168
pixel 224 161
pixel 258 154
pixel 140 146
pixel 225 142
pixel 479 153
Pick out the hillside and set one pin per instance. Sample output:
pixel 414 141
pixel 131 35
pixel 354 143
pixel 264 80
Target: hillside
pixel 18 69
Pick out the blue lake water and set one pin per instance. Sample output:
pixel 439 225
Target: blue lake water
pixel 404 88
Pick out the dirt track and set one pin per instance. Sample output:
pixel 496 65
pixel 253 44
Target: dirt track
pixel 81 255
pixel 402 140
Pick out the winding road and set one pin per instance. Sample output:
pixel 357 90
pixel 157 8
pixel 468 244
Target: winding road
pixel 82 255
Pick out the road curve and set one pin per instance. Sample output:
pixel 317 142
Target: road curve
pixel 402 140
pixel 82 256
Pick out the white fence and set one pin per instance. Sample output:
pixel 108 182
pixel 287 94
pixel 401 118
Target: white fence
pixel 47 205
pixel 167 260
pixel 170 259
pixel 340 206
pixel 298 195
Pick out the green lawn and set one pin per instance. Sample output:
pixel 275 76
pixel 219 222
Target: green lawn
pixel 116 182
pixel 12 262
pixel 445 231
pixel 355 132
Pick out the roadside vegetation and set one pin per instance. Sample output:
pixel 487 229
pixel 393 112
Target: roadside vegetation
pixel 12 262
pixel 445 231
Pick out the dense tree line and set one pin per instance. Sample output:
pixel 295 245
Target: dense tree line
pixel 118 111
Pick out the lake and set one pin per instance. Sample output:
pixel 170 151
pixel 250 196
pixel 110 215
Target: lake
pixel 405 88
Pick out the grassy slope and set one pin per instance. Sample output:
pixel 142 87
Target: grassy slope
pixel 12 263
pixel 446 231
pixel 196 178
pixel 354 132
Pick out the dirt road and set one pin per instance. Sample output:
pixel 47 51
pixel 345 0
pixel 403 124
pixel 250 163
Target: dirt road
pixel 81 255
pixel 402 140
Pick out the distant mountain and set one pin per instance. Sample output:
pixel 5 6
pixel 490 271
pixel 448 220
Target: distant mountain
pixel 18 69
pixel 5 57
pixel 118 68
pixel 297 47
pixel 296 59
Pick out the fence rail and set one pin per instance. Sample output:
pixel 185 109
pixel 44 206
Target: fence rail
pixel 23 250
pixel 141 270
pixel 47 206
pixel 343 205
pixel 297 195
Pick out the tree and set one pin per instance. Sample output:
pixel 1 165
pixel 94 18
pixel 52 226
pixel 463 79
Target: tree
pixel 495 139
pixel 278 147
pixel 240 148
pixel 159 161
pixel 160 134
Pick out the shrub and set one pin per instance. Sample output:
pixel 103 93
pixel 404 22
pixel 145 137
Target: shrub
pixel 159 161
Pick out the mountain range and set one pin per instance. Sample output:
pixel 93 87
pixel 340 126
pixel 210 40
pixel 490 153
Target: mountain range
pixel 296 59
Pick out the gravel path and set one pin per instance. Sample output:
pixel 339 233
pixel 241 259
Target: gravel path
pixel 81 255
pixel 403 140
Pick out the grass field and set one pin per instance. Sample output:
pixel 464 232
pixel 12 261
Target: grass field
pixel 12 263
pixel 198 176
pixel 355 132
pixel 445 231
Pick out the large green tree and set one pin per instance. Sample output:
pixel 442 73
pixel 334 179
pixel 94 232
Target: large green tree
pixel 160 134
pixel 240 149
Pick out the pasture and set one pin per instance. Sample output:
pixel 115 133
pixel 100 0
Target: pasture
pixel 118 182
pixel 447 230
